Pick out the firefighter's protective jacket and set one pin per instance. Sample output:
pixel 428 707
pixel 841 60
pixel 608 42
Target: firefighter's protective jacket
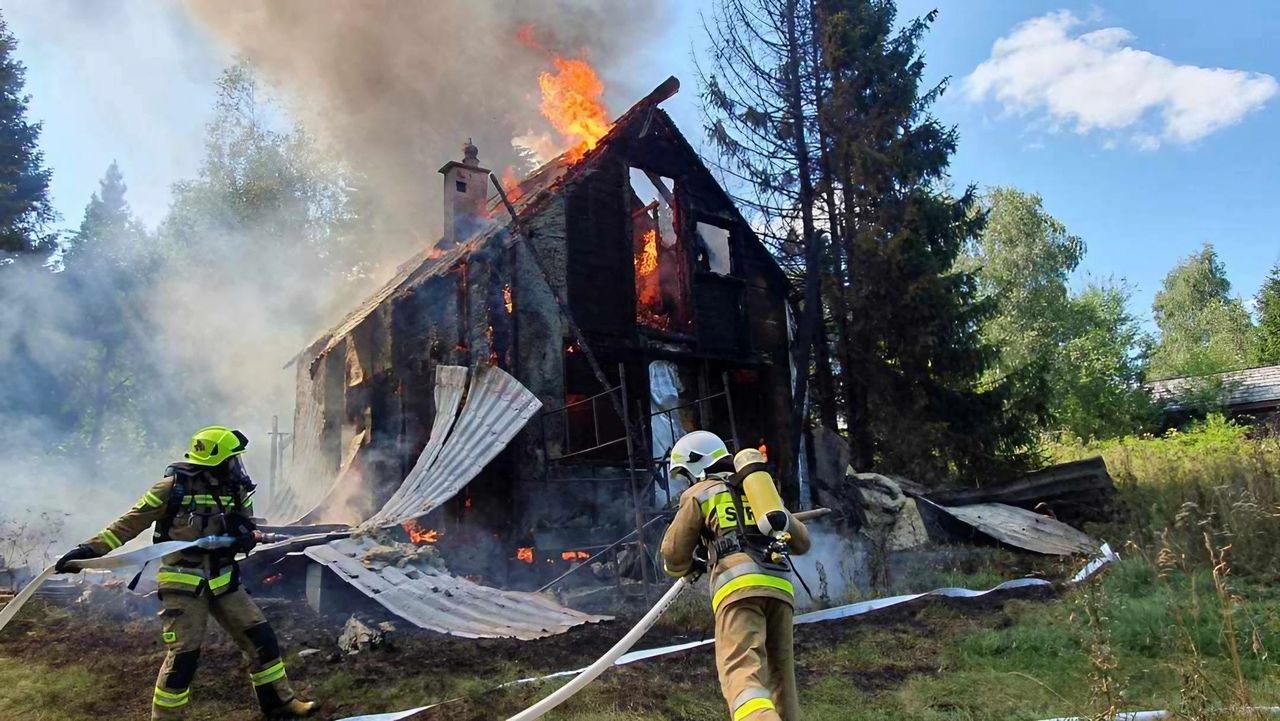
pixel 708 513
pixel 188 504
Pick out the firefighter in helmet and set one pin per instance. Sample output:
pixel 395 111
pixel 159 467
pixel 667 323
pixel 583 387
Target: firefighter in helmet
pixel 732 520
pixel 210 494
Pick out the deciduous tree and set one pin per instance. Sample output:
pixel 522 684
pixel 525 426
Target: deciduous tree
pixel 1203 329
pixel 1268 300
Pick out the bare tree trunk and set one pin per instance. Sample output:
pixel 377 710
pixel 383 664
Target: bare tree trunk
pixel 812 311
pixel 856 357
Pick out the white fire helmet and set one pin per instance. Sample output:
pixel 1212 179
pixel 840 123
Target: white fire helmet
pixel 696 452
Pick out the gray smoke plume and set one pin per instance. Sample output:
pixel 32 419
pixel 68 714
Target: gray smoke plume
pixel 392 90
pixel 398 87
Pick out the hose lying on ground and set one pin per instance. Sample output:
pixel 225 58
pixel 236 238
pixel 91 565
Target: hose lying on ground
pixel 590 673
pixel 120 560
pixel 579 682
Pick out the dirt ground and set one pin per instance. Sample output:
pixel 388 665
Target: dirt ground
pixel 418 667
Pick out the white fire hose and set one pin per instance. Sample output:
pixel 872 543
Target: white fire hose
pixel 579 682
pixel 590 673
pixel 120 560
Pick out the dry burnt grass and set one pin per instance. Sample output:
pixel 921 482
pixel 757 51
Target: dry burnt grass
pixel 66 663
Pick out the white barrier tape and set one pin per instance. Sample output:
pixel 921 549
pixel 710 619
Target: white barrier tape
pixel 139 557
pixel 1104 557
pixel 1152 715
pixel 396 715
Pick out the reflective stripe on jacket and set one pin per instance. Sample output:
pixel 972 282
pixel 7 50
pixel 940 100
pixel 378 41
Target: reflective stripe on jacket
pixel 197 515
pixel 707 511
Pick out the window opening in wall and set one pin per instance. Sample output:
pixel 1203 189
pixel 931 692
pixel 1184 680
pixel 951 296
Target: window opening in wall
pixel 662 273
pixel 713 249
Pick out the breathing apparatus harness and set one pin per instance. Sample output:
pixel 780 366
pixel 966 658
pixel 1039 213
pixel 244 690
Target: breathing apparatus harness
pixel 770 551
pixel 235 521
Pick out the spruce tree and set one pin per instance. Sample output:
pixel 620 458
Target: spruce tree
pixel 823 124
pixel 908 320
pixel 1268 300
pixel 25 209
pixel 107 269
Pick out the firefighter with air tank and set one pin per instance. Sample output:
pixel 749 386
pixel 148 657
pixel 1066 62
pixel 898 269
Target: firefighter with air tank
pixel 733 511
pixel 210 494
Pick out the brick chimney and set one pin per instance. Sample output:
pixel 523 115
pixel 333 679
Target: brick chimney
pixel 466 193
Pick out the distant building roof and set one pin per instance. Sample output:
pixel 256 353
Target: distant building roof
pixel 1251 389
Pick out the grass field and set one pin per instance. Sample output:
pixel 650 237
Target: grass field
pixel 1186 622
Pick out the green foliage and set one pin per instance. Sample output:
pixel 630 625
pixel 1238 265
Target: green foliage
pixel 900 360
pixel 1075 356
pixel 1203 330
pixel 906 320
pixel 107 266
pixel 1095 377
pixel 25 209
pixel 1268 301
pixel 1023 259
pixel 1212 477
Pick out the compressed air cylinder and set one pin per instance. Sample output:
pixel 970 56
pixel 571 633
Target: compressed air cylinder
pixel 771 515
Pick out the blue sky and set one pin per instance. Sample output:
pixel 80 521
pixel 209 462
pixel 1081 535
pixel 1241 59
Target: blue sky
pixel 1152 159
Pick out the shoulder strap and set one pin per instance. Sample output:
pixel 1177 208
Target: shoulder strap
pixel 181 474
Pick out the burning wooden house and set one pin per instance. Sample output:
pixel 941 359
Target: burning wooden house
pixel 620 286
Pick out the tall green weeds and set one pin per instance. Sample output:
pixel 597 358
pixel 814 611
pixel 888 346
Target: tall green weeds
pixel 1210 479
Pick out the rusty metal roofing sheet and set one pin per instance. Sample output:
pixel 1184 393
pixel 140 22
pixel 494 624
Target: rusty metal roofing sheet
pixel 451 381
pixel 497 407
pixel 1022 528
pixel 436 601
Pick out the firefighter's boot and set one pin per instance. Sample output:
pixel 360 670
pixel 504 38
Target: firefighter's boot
pixel 297 708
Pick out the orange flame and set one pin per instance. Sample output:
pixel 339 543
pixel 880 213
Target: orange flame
pixel 648 290
pixel 420 535
pixel 571 101
pixel 575 556
pixel 511 184
pixel 525 554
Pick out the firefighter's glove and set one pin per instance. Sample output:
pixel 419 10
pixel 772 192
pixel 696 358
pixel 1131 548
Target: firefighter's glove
pixel 245 542
pixel 699 565
pixel 79 553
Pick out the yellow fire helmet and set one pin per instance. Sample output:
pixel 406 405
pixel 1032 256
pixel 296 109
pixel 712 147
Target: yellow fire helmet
pixel 212 445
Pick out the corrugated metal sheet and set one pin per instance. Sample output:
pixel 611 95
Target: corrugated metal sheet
pixel 436 601
pixel 1074 492
pixel 451 381
pixel 1241 389
pixel 1022 528
pixel 497 407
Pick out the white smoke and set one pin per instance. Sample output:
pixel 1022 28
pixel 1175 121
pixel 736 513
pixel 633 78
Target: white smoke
pixel 392 90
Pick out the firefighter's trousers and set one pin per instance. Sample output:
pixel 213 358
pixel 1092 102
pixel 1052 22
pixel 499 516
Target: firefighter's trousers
pixel 755 659
pixel 185 618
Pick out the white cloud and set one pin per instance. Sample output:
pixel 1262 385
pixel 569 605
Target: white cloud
pixel 1097 82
